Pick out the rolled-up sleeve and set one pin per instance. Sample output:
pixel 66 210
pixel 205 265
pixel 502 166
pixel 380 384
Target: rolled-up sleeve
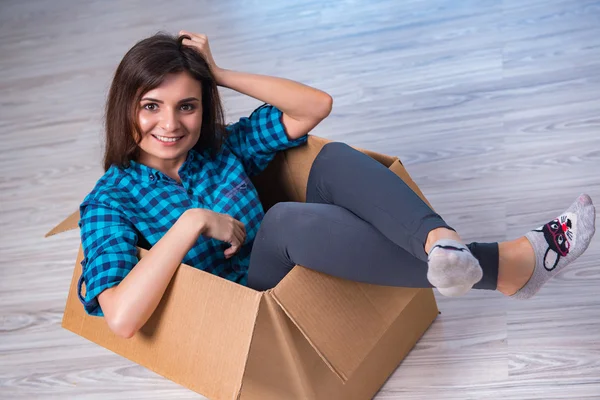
pixel 256 139
pixel 109 247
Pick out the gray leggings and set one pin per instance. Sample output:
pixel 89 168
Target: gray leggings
pixel 360 222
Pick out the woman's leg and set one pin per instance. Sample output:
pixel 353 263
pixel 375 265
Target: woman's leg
pixel 348 178
pixel 332 240
pixel 345 177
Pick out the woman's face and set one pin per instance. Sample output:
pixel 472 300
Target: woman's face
pixel 170 117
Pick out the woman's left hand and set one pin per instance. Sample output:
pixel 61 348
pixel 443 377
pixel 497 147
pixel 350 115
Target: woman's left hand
pixel 200 43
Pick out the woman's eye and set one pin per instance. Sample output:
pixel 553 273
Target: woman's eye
pixel 154 107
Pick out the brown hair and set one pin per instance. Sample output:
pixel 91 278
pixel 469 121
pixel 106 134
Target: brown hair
pixel 143 68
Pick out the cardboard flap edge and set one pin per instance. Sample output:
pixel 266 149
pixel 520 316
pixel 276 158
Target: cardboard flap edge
pixel 238 390
pixel 68 224
pixel 343 378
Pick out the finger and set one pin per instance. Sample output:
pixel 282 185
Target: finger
pixel 231 251
pixel 240 224
pixel 198 47
pixel 234 240
pixel 242 228
pixel 231 248
pixel 188 42
pixel 239 231
pixel 187 36
pixel 242 234
pixel 184 32
pixel 239 237
pixel 196 37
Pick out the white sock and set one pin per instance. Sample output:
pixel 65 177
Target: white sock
pixel 453 269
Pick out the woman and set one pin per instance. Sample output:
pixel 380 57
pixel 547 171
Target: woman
pixel 177 180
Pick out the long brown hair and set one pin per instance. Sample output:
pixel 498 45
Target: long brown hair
pixel 143 68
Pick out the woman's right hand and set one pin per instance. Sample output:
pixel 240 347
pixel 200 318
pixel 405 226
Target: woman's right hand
pixel 221 227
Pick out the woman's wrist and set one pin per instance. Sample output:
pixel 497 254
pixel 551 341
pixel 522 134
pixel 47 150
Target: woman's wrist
pixel 194 219
pixel 218 75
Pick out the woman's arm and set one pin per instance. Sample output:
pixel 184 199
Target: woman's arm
pixel 303 107
pixel 128 305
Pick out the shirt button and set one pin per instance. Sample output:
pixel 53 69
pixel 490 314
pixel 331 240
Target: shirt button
pixel 189 191
pixel 151 177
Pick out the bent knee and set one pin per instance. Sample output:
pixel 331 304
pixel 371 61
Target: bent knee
pixel 334 148
pixel 330 155
pixel 280 215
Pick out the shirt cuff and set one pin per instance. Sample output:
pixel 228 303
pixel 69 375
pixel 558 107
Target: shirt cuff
pixel 276 138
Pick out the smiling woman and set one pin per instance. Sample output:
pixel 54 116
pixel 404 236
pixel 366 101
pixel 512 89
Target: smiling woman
pixel 165 89
pixel 177 178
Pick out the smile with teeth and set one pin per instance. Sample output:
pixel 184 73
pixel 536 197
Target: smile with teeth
pixel 167 139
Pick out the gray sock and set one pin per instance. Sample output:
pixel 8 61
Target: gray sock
pixel 453 269
pixel 559 242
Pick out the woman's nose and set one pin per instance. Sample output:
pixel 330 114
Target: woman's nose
pixel 170 120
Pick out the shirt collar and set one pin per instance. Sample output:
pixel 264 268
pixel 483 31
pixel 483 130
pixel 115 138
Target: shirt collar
pixel 144 173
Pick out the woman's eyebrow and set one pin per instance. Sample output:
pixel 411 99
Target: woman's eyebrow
pixel 180 101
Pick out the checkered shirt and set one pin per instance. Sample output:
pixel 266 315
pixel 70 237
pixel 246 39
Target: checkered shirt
pixel 136 206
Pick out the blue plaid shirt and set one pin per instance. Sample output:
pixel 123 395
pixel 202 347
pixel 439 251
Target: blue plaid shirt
pixel 136 206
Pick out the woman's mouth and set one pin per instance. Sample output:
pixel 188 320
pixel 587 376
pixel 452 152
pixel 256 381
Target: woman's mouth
pixel 167 141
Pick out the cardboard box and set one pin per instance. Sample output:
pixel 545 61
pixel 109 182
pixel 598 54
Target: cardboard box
pixel 313 336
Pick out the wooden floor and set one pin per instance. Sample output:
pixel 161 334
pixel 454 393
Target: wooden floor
pixel 493 106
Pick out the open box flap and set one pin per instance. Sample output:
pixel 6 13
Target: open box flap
pixel 71 222
pixel 281 359
pixel 342 320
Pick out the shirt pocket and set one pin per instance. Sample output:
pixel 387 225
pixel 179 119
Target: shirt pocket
pixel 239 189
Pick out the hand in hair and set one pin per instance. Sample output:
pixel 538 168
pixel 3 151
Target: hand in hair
pixel 200 43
